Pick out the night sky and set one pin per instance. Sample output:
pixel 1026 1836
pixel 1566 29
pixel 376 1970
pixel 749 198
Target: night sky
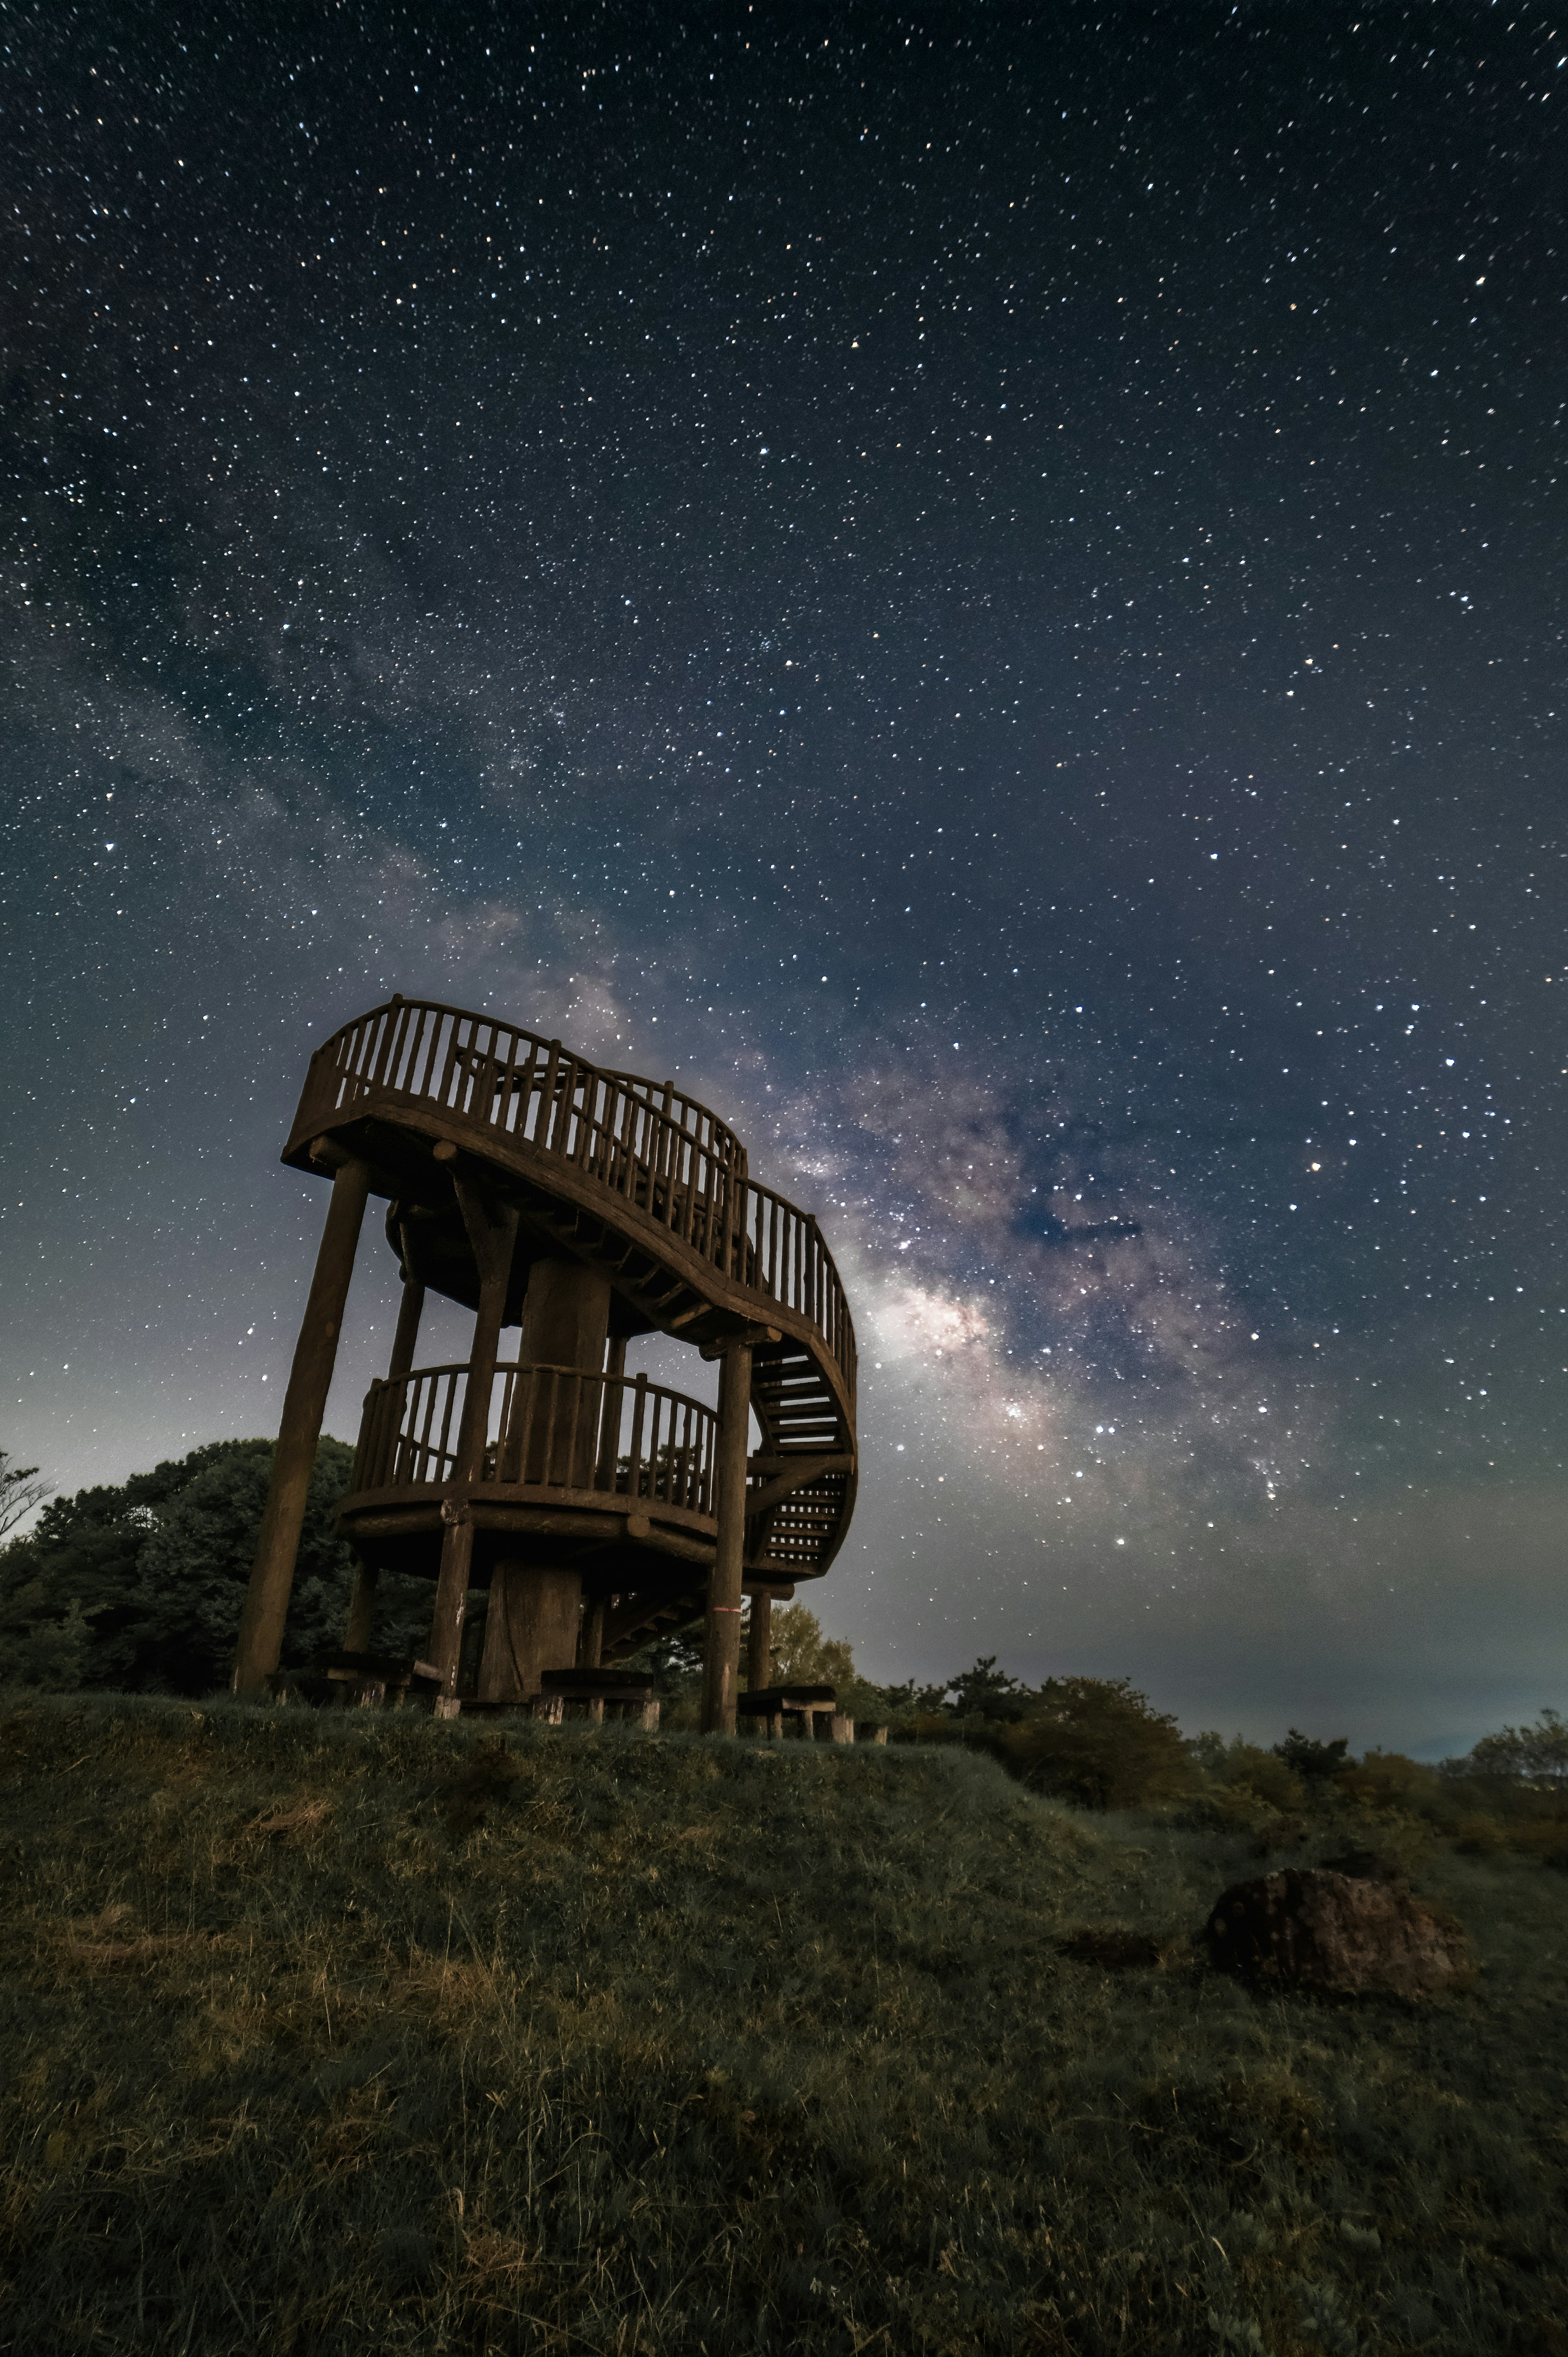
pixel 984 587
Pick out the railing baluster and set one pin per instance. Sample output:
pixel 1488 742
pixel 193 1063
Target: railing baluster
pixel 418 1056
pixel 627 1141
pixel 660 1450
pixel 506 1086
pixel 569 1470
pixel 547 1099
pixel 431 1384
pixel 640 1408
pixel 611 1395
pixel 447 1456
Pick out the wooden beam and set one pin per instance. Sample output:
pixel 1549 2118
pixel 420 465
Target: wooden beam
pixel 293 1458
pixel 492 1231
pixel 407 1336
pixel 722 1676
pixel 808 1468
pixel 759 1659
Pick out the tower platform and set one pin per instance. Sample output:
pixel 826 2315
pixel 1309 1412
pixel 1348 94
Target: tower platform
pixel 587 1207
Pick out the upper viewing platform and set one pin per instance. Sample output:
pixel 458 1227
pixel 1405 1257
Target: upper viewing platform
pixel 701 1246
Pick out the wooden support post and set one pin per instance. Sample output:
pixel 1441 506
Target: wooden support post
pixel 294 1458
pixel 534 1624
pixel 407 1334
pixel 492 1231
pixel 730 1449
pixel 361 1610
pixel 535 1621
pixel 591 1645
pixel 759 1637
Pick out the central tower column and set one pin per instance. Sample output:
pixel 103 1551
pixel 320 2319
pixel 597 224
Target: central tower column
pixel 535 1610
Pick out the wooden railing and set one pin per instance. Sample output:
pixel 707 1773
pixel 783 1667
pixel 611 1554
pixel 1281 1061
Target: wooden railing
pixel 643 1140
pixel 550 1427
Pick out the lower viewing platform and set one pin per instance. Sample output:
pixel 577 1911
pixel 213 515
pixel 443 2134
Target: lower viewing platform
pixel 606 1460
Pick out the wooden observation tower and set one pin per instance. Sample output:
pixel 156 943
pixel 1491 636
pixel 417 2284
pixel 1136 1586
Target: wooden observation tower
pixel 585 1206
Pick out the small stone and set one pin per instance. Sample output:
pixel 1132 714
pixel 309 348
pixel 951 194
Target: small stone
pixel 1312 1928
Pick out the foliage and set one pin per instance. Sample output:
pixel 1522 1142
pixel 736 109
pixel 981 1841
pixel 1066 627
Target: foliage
pixel 138 1584
pixel 801 1655
pixel 20 1492
pixel 1535 1756
pixel 1386 1780
pixel 987 1692
pixel 1099 1742
pixel 1245 1788
pixel 677 1665
pixel 1310 1761
pixel 361 2032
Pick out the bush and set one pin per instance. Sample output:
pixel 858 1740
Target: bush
pixel 1097 1741
pixel 1535 1756
pixel 1314 1762
pixel 1389 1780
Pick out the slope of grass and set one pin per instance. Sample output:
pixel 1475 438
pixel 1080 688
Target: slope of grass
pixel 349 2033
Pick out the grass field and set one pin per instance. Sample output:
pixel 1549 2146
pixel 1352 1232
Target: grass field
pixel 349 2033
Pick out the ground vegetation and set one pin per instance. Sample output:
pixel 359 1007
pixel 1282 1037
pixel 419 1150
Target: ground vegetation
pixel 346 2030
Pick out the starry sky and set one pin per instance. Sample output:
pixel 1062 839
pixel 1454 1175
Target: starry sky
pixel 983 587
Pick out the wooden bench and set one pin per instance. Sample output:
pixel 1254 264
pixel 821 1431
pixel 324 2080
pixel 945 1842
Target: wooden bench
pixel 627 1694
pixel 813 1709
pixel 368 1679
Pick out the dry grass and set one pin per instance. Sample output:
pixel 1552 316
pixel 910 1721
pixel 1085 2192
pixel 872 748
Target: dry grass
pixel 350 2032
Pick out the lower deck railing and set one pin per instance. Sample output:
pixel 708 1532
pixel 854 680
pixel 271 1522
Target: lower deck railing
pixel 548 1427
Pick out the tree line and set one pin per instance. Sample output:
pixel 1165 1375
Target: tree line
pixel 138 1585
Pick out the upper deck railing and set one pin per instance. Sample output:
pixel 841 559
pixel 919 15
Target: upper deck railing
pixel 641 1140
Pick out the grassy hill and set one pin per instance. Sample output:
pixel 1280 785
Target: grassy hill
pixel 341 2033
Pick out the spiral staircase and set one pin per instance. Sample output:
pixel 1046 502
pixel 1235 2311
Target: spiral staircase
pixel 589 1206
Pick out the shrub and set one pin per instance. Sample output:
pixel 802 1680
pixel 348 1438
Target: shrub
pixel 1314 1762
pixel 1389 1780
pixel 1097 1741
pixel 1240 1765
pixel 1536 1756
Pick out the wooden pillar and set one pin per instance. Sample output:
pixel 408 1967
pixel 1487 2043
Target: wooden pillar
pixel 361 1610
pixel 362 1603
pixel 294 1458
pixel 758 1637
pixel 407 1334
pixel 492 1231
pixel 533 1624
pixel 591 1646
pixel 731 1446
pixel 534 1621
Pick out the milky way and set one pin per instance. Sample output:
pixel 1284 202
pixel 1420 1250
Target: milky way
pixel 987 591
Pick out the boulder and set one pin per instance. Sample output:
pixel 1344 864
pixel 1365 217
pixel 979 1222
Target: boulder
pixel 1311 1928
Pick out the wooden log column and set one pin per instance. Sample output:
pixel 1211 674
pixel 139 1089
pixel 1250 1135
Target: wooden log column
pixel 362 1617
pixel 722 1674
pixel 294 1458
pixel 534 1619
pixel 758 1639
pixel 492 1231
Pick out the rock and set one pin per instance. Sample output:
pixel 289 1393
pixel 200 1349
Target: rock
pixel 1315 1929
